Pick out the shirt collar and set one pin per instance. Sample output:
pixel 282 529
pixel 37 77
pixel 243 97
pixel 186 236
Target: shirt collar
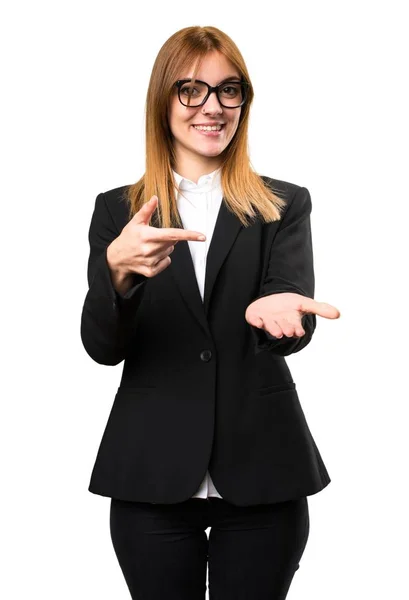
pixel 205 183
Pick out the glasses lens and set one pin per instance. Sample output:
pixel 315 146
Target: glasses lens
pixel 192 95
pixel 230 94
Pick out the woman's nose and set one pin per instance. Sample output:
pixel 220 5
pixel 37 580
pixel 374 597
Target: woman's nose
pixel 212 104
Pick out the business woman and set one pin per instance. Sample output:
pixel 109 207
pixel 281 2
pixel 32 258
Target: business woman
pixel 201 280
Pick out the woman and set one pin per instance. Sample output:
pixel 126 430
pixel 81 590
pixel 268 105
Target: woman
pixel 201 279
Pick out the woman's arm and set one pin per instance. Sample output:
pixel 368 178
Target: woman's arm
pixel 107 314
pixel 290 269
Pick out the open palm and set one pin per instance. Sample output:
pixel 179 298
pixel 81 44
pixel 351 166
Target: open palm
pixel 280 314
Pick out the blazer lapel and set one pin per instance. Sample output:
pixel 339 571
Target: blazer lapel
pixel 224 235
pixel 225 232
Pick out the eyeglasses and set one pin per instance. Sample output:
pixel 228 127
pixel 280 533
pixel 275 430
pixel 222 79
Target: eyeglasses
pixel 231 94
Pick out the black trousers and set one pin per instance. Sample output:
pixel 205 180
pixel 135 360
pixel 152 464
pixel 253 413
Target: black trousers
pixel 252 552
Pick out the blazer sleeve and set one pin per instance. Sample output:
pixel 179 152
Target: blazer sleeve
pixel 290 269
pixel 107 316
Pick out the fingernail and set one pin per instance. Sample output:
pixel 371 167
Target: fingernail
pixel 201 237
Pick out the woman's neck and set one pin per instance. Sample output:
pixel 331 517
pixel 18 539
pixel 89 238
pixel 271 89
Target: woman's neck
pixel 193 170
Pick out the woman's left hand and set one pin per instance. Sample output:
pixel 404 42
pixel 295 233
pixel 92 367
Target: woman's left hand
pixel 280 314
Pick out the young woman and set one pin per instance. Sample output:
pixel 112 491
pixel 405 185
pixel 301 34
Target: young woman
pixel 201 280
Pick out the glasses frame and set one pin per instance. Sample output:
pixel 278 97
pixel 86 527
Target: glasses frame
pixel 210 89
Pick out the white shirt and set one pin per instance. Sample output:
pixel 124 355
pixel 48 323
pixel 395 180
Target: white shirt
pixel 198 208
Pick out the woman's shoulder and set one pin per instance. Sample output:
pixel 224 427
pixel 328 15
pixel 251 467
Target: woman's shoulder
pixel 117 194
pixel 116 205
pixel 285 188
pixel 297 198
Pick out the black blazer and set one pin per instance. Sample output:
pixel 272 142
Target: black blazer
pixel 201 388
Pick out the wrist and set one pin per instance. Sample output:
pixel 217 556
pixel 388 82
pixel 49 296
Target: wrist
pixel 113 256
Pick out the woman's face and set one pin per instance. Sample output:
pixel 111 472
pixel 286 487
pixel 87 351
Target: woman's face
pixel 191 144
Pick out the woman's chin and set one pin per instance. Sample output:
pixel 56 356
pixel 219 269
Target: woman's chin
pixel 210 150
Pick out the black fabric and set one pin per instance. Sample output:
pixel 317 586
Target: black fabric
pixel 252 553
pixel 175 415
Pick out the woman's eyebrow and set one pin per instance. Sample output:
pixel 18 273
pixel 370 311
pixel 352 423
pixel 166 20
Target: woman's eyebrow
pixel 229 78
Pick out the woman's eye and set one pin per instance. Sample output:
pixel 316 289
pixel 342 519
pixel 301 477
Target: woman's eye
pixel 233 90
pixel 188 90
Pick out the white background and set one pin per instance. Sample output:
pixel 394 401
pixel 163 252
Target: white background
pixel 330 114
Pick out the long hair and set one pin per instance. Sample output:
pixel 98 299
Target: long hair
pixel 244 191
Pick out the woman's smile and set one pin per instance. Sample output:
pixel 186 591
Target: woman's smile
pixel 209 131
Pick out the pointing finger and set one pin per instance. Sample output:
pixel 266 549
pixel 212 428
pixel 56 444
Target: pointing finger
pixel 173 234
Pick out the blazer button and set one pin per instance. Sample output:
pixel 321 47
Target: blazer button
pixel 206 355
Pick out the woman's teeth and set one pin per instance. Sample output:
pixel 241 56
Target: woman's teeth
pixel 208 128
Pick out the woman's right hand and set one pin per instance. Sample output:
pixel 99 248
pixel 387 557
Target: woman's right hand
pixel 143 249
